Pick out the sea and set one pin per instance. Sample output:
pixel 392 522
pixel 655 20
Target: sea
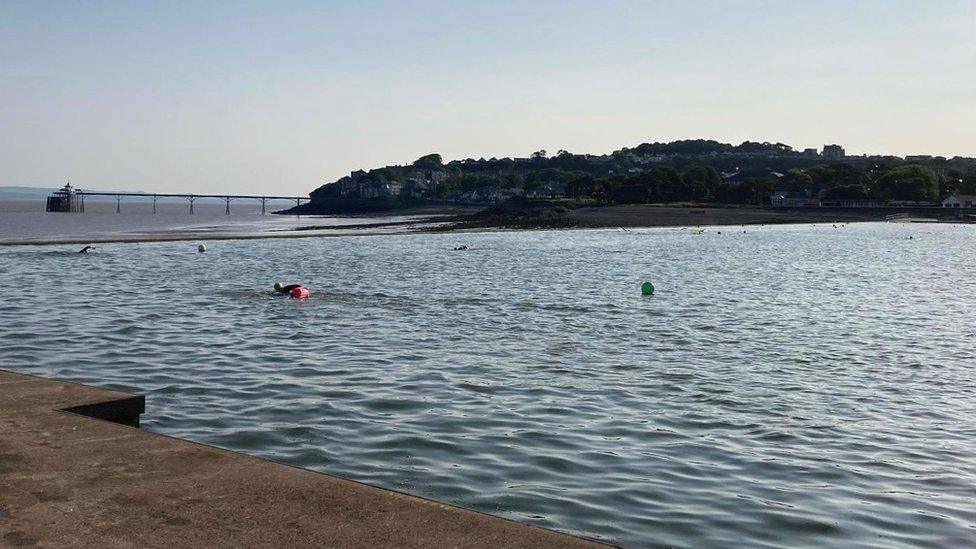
pixel 25 221
pixel 791 385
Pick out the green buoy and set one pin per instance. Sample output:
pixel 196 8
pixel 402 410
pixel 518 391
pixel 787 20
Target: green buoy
pixel 647 288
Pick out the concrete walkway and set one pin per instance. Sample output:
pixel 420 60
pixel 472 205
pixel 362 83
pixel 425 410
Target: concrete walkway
pixel 70 480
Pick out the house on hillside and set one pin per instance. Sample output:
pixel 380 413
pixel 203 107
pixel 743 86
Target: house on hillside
pixel 793 199
pixel 423 176
pixel 348 186
pixel 490 194
pixel 643 159
pixel 374 188
pixel 960 201
pixel 551 189
pixel 731 174
pixel 909 203
pixel 419 182
pixel 852 202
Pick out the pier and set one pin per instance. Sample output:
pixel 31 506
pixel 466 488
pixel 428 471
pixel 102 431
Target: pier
pixel 75 471
pixel 70 199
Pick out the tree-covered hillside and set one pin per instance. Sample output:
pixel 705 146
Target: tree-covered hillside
pixel 680 171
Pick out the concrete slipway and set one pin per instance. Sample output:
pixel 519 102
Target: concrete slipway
pixel 74 471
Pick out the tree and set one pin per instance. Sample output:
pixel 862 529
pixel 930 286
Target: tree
pixel 836 175
pixel 701 180
pixel 429 162
pixel 580 187
pixel 751 191
pixel 968 184
pixel 848 192
pixel 963 183
pixel 606 189
pixel 539 155
pixel 510 181
pixel 764 147
pixel 470 182
pixel 655 185
pixel 795 180
pixel 448 186
pixel 908 182
pixel 685 146
pixel 665 183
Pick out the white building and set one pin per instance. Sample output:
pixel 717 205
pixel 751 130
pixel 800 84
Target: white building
pixel 792 199
pixel 960 201
pixel 643 159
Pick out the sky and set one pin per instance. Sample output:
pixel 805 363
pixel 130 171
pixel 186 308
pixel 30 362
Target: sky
pixel 280 97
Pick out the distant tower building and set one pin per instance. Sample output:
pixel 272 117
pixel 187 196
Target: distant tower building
pixel 810 153
pixel 834 152
pixel 66 199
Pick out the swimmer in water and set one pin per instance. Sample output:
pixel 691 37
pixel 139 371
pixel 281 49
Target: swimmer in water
pixel 87 249
pixel 282 289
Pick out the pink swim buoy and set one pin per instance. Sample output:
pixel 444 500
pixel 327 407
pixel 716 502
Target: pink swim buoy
pixel 299 293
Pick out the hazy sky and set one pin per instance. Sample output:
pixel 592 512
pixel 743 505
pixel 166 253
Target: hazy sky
pixel 282 96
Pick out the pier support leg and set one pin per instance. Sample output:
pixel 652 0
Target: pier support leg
pixel 191 199
pixel 154 203
pixel 263 202
pixel 227 201
pixel 118 204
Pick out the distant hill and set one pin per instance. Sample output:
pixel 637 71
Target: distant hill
pixel 24 193
pixel 692 170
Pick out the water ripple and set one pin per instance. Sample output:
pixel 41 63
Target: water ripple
pixel 779 390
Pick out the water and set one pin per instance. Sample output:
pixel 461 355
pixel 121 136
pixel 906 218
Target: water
pixel 787 386
pixel 26 220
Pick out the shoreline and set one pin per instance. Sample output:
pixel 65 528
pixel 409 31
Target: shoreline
pixel 524 219
pixel 545 215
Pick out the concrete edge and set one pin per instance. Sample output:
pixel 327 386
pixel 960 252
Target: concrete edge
pixel 118 410
pixel 124 411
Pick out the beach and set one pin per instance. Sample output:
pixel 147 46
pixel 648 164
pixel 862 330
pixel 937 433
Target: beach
pixel 18 228
pixel 548 215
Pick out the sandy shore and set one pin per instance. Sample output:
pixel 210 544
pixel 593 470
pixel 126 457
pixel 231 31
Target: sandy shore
pixel 591 217
pixel 547 215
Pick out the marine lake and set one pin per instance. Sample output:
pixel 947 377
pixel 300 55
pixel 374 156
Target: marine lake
pixel 786 386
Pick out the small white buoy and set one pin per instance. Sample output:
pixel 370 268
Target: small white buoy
pixel 201 248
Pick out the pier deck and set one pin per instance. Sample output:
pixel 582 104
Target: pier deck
pixel 71 480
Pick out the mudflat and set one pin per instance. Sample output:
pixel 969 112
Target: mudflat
pixel 640 215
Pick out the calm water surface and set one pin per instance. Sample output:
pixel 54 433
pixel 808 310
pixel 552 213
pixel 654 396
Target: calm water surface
pixel 23 221
pixel 799 385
